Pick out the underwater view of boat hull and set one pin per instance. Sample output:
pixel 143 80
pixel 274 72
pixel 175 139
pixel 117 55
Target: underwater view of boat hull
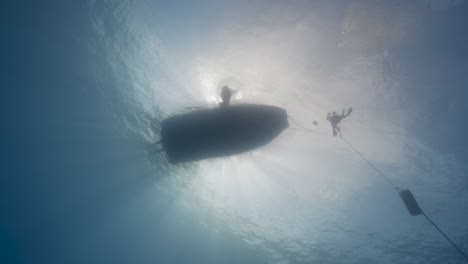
pixel 221 131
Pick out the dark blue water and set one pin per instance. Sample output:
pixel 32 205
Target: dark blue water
pixel 86 83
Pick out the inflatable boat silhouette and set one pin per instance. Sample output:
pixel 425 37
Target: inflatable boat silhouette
pixel 221 131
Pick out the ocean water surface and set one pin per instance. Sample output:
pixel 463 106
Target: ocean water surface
pixel 85 85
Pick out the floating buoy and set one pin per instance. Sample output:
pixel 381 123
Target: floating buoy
pixel 410 202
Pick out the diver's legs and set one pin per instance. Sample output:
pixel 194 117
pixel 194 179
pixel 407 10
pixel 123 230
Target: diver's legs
pixel 334 129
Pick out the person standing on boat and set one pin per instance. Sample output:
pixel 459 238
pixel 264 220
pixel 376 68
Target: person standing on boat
pixel 226 94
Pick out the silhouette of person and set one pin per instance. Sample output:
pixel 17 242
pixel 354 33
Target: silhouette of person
pixel 336 119
pixel 226 94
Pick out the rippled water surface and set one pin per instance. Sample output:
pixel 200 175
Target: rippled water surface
pixel 85 85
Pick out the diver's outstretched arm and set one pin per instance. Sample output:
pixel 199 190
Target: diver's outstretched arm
pixel 349 112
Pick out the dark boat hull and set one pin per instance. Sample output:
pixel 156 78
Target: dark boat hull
pixel 221 131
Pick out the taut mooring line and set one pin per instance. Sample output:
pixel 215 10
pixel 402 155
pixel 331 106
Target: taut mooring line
pixel 397 188
pixel 370 163
pixel 302 128
pixel 446 237
pixel 386 178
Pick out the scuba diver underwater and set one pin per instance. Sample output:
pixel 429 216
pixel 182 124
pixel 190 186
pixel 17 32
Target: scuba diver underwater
pixel 336 119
